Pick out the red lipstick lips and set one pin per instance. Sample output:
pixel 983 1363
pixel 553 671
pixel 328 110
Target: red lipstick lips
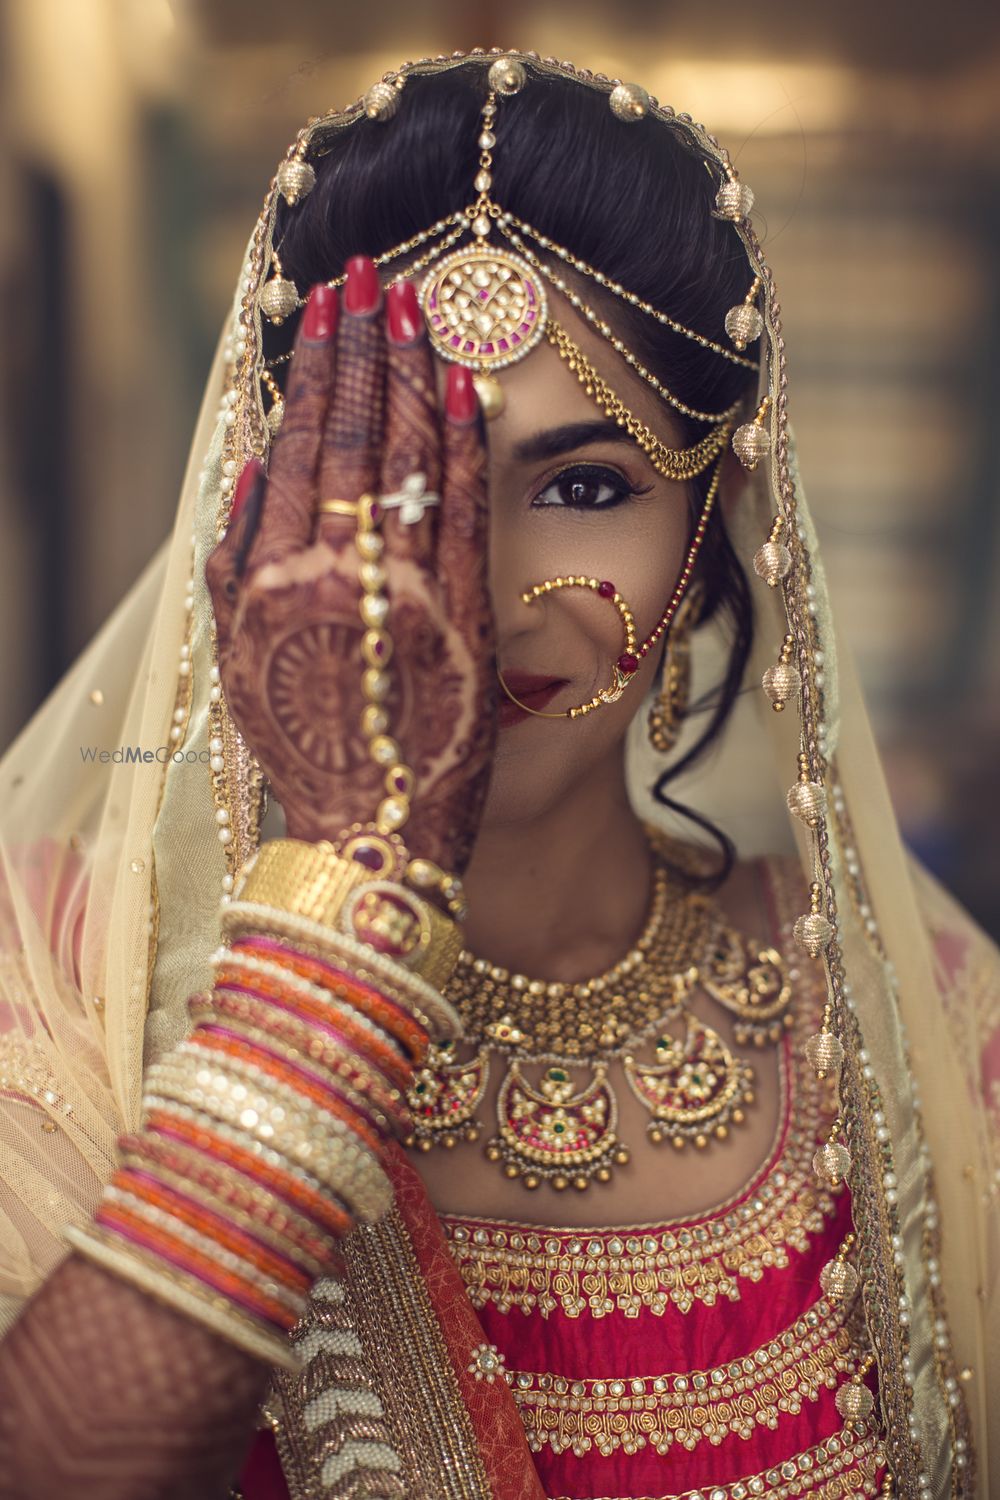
pixel 532 690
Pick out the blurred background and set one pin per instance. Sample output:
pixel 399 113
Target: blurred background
pixel 138 137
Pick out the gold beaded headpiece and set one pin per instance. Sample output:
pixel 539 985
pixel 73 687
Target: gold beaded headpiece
pixel 486 306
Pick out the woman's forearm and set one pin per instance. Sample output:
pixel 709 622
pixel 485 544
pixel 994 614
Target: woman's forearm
pixel 105 1394
pixel 261 1145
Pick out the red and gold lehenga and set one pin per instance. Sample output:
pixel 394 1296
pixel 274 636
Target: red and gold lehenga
pixel 110 880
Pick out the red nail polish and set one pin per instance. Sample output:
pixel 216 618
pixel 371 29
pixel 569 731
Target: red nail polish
pixel 402 313
pixel 460 399
pixel 244 486
pixel 320 321
pixel 361 289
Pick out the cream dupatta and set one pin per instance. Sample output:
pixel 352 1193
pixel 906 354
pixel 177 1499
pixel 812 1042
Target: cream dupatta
pixel 111 873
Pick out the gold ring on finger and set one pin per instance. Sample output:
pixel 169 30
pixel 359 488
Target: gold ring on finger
pixel 338 508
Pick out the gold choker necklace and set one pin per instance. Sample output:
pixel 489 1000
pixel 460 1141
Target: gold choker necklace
pixel 552 1128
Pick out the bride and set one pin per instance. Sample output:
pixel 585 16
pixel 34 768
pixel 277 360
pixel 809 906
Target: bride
pixel 533 1129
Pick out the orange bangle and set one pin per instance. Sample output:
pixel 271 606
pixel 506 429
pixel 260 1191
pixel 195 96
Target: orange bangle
pixel 342 1064
pixel 409 1036
pixel 365 997
pixel 230 1236
pixel 386 1057
pixel 186 1162
pixel 323 1209
pixel 201 1267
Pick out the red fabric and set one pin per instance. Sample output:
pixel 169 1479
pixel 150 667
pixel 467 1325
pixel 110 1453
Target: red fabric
pixel 620 1347
pixel 262 1478
pixel 495 1420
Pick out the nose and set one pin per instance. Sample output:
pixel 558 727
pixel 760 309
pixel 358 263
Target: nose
pixel 510 572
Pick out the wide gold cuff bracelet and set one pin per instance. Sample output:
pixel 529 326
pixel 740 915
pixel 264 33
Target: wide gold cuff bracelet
pixel 315 882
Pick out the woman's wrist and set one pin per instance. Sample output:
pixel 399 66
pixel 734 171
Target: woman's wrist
pixel 264 1131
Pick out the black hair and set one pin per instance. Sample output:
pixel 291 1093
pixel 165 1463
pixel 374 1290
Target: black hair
pixel 633 200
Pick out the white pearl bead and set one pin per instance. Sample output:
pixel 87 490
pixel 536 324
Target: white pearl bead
pixel 215 695
pixel 179 716
pixel 216 763
pixel 214 674
pixel 225 835
pixel 184 668
pixel 227 882
pixel 222 815
pixel 175 733
pixel 215 744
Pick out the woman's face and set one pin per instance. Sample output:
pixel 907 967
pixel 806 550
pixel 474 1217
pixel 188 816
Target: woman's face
pixel 571 493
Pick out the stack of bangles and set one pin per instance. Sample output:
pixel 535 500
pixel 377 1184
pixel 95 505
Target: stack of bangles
pixel 263 1132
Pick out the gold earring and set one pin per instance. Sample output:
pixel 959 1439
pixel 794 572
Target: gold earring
pixel 670 705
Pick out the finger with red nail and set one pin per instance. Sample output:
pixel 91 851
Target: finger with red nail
pixel 411 459
pixel 350 448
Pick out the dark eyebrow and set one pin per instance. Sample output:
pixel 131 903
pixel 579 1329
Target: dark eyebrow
pixel 555 440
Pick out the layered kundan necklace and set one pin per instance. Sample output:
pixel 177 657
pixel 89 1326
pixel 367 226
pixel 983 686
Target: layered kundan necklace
pixel 557 1113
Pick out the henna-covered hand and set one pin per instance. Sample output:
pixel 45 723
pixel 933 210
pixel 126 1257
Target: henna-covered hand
pixel 361 416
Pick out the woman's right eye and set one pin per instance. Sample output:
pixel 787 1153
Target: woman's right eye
pixel 586 487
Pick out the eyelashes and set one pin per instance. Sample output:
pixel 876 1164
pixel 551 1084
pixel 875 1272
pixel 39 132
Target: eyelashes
pixel 587 487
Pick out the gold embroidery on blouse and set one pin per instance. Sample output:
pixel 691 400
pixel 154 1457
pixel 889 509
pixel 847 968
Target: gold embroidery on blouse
pixel 602 1271
pixel 846 1464
pixel 703 1405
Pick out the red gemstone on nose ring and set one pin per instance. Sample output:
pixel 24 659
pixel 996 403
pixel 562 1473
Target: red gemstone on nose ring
pixel 606 590
pixel 627 662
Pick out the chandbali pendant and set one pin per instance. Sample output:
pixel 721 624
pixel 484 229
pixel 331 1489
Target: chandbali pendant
pixel 555 1134
pixel 444 1096
pixel 752 983
pixel 695 1090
